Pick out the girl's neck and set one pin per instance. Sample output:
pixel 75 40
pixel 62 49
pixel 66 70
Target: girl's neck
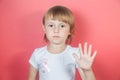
pixel 56 48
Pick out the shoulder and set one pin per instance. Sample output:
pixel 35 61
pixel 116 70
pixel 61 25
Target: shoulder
pixel 39 51
pixel 73 50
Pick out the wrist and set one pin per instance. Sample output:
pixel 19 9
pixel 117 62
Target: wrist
pixel 84 70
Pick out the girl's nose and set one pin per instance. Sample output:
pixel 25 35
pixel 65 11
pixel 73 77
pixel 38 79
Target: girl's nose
pixel 56 29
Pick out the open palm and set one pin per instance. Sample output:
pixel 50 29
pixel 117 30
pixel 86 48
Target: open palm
pixel 86 58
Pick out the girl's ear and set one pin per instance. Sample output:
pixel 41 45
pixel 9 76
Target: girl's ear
pixel 69 33
pixel 43 26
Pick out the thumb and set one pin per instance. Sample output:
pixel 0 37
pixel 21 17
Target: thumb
pixel 76 57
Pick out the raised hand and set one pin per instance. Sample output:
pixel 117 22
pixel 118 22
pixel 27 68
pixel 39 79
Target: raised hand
pixel 86 57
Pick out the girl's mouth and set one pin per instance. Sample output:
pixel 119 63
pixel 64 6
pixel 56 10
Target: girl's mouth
pixel 56 36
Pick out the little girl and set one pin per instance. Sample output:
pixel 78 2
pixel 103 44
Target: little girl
pixel 58 60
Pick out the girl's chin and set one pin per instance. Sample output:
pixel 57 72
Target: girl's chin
pixel 57 43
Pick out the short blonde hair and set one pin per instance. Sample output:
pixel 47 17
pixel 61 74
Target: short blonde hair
pixel 63 14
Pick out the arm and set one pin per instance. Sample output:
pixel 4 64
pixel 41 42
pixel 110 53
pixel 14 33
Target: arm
pixel 85 62
pixel 86 74
pixel 32 73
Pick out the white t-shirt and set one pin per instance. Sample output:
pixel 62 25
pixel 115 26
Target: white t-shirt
pixel 55 66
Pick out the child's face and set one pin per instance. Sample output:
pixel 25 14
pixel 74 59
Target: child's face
pixel 56 31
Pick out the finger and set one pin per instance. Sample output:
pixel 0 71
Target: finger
pixel 76 57
pixel 94 54
pixel 89 50
pixel 80 48
pixel 85 48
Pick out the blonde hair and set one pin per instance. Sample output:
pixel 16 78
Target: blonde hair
pixel 63 14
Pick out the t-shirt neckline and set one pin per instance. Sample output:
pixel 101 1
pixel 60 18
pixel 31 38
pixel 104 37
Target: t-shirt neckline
pixel 67 46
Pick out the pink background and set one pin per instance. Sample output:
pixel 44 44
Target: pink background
pixel 97 22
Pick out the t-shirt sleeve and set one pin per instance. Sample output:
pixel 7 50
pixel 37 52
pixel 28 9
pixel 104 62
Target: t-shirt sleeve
pixel 33 59
pixel 78 54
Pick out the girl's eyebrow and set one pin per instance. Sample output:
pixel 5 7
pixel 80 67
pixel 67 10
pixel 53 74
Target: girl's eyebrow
pixel 49 22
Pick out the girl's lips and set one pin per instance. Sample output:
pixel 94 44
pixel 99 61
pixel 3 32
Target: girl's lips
pixel 56 36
